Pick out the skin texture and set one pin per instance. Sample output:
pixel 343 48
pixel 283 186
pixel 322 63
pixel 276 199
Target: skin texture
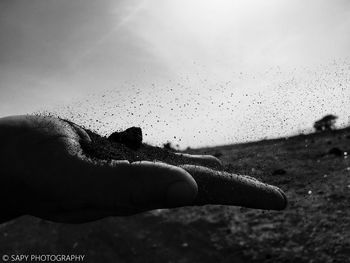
pixel 45 173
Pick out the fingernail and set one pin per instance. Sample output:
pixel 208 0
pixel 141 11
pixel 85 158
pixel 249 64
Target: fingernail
pixel 180 193
pixel 285 200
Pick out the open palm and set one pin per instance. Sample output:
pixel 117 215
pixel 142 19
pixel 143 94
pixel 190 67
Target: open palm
pixel 46 174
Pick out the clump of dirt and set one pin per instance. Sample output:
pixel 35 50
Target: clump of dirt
pixel 336 151
pixel 131 137
pixel 106 149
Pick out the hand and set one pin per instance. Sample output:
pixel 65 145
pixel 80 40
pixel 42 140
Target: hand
pixel 45 173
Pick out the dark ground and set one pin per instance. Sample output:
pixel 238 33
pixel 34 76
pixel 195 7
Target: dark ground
pixel 314 228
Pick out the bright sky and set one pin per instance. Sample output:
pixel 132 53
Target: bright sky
pixel 195 72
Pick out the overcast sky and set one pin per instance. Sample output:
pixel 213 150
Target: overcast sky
pixel 195 72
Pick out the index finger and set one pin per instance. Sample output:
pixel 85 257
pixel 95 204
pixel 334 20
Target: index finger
pixel 218 187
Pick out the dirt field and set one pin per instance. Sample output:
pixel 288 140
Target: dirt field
pixel 313 170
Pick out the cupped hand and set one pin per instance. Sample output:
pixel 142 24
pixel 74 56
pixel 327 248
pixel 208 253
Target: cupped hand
pixel 45 173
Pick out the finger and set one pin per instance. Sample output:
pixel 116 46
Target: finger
pixel 203 160
pixel 223 188
pixel 142 185
pixel 83 135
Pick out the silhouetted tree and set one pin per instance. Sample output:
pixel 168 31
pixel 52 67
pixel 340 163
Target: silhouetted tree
pixel 326 123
